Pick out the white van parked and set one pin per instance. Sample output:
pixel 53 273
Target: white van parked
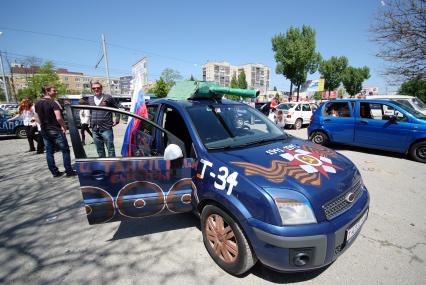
pixel 409 101
pixel 294 114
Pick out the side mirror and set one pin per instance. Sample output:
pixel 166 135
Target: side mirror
pixel 172 152
pixel 393 119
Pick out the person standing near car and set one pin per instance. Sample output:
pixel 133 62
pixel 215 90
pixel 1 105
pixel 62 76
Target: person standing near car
pixel 84 115
pixel 101 121
pixel 26 112
pixel 48 114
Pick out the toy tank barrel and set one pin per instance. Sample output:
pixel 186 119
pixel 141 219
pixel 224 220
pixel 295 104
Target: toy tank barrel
pixel 234 91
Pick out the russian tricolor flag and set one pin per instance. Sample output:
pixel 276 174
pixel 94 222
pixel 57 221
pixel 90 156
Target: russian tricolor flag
pixel 139 108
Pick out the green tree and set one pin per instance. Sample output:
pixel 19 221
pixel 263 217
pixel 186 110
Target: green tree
pixel 331 70
pixel 46 75
pixel 161 88
pixel 170 76
pixel 353 78
pixel 275 88
pixel 317 96
pixel 234 82
pixel 242 82
pixel 415 87
pixel 295 55
pixel 192 78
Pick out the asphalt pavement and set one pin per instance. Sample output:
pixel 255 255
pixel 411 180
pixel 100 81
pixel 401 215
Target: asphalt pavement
pixel 45 237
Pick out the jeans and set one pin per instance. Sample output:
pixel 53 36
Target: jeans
pixel 50 138
pixel 101 138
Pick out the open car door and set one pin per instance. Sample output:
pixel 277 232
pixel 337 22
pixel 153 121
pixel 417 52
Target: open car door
pixel 144 178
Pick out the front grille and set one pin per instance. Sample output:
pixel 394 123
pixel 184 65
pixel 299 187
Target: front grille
pixel 339 205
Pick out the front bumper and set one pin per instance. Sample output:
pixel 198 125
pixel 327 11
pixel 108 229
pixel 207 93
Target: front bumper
pixel 282 253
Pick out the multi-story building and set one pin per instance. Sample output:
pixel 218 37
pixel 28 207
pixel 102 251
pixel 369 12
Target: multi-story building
pixel 75 82
pixel 126 85
pixel 257 75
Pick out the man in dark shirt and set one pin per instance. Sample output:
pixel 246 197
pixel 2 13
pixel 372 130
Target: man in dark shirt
pixel 101 121
pixel 53 131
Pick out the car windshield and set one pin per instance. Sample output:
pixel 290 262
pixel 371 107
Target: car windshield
pixel 285 106
pixel 419 103
pixel 222 126
pixel 411 110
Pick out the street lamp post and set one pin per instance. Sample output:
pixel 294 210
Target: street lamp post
pixel 4 79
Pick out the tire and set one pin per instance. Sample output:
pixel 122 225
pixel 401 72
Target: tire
pixel 418 151
pixel 219 229
pixel 21 132
pixel 319 138
pixel 298 124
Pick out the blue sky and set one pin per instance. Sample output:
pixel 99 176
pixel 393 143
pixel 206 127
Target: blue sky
pixel 183 35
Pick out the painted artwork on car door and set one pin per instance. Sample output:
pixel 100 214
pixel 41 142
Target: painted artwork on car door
pixel 133 180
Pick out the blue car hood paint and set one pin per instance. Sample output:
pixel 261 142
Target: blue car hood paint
pixel 317 172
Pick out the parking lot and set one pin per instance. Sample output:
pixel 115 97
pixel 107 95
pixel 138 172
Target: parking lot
pixel 45 237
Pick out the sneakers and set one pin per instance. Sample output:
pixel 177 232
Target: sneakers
pixel 58 174
pixel 71 173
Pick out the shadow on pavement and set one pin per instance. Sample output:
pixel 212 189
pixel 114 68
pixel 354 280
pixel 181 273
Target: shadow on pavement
pixel 273 276
pixel 146 226
pixel 7 137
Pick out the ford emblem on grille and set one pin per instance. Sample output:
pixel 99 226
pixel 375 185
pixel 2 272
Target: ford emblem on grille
pixel 350 197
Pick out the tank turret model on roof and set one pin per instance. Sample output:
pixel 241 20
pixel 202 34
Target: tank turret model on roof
pixel 206 89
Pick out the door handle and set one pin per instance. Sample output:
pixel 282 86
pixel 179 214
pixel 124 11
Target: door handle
pixel 364 122
pixel 98 175
pixel 327 120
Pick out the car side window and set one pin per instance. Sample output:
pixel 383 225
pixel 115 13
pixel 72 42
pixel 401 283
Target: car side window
pixel 306 107
pixel 134 138
pixel 338 109
pixel 174 123
pixel 378 111
pixel 298 108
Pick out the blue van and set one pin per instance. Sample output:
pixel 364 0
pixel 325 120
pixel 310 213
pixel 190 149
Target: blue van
pixel 261 194
pixel 378 124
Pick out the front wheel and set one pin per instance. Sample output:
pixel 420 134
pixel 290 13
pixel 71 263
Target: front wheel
pixel 319 138
pixel 225 241
pixel 418 152
pixel 21 132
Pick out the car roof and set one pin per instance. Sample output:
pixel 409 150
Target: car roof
pixel 388 97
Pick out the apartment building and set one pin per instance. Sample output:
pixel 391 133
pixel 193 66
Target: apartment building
pixel 80 83
pixel 257 75
pixel 74 81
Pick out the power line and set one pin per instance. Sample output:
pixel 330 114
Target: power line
pixel 97 42
pixel 65 63
pixel 60 62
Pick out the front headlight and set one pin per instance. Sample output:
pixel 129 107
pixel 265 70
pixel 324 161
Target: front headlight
pixel 295 212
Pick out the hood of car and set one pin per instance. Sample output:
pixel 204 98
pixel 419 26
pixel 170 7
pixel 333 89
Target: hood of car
pixel 317 172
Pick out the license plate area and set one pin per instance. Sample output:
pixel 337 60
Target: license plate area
pixel 352 231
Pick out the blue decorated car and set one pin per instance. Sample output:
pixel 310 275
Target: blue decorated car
pixel 261 194
pixel 13 127
pixel 377 124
